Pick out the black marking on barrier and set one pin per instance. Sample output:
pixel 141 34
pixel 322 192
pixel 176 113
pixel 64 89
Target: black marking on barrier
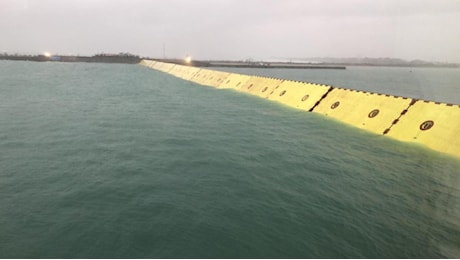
pixel 335 104
pixel 373 113
pixel 426 125
pixel 265 89
pixel 321 99
pixel 413 101
pixel 282 93
pixel 250 86
pixel 228 81
pixel 305 97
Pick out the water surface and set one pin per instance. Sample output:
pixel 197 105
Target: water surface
pixel 105 160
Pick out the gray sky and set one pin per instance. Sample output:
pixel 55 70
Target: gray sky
pixel 235 29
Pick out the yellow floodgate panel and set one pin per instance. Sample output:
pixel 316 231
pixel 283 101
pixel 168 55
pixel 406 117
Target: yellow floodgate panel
pixel 234 81
pixel 151 64
pixel 189 72
pixel 260 86
pixel 156 65
pixel 176 70
pixel 159 65
pixel 434 125
pixel 166 67
pixel 370 111
pixel 202 76
pixel 297 94
pixel 265 87
pixel 183 72
pixel 216 78
pixel 148 63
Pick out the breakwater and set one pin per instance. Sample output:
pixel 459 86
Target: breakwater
pixel 247 64
pixel 432 124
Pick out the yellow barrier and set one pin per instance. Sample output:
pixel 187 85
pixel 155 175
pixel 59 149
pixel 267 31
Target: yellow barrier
pixel 148 63
pixel 151 64
pixel 234 81
pixel 210 78
pixel 216 78
pixel 370 111
pixel 260 86
pixel 166 67
pixel 189 72
pixel 161 66
pixel 183 72
pixel 157 65
pixel 432 124
pixel 176 71
pixel 202 76
pixel 298 94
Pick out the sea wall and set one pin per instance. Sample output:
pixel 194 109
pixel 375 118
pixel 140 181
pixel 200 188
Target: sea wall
pixel 434 125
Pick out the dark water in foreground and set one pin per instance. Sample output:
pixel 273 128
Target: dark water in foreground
pixel 121 161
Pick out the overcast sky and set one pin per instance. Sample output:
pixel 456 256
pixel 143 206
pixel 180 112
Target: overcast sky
pixel 235 29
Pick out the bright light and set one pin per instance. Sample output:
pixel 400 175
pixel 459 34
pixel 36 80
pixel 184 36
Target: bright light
pixel 47 54
pixel 188 59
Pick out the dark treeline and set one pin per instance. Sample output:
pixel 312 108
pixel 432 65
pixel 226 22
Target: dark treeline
pixel 101 58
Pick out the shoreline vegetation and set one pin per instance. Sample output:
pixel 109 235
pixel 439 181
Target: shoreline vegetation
pixel 299 63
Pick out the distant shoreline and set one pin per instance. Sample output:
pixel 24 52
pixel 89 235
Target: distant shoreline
pixel 134 59
pixel 100 58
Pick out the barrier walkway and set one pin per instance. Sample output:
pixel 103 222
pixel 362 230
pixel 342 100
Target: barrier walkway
pixel 435 125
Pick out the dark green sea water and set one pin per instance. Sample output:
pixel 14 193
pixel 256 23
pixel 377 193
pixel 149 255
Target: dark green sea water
pixel 121 161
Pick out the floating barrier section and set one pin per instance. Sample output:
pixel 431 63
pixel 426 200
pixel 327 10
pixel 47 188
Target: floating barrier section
pixel 184 72
pixel 300 95
pixel 234 81
pixel 210 77
pixel 435 125
pixel 369 111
